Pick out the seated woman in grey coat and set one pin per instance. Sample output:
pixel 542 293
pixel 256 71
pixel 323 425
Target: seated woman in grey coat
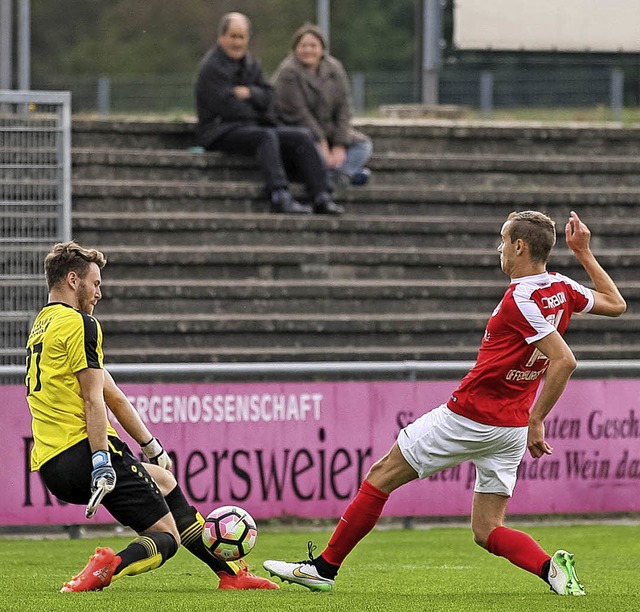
pixel 312 90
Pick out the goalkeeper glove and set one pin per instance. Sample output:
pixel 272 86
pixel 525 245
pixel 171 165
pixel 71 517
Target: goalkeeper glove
pixel 103 474
pixel 156 454
pixel 103 480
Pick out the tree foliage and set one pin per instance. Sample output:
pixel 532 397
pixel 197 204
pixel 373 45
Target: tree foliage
pixel 162 37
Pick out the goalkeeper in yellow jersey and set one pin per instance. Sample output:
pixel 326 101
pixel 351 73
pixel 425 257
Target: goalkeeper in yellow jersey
pixel 78 453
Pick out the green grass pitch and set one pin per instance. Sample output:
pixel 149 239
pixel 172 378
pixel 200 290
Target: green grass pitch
pixel 438 569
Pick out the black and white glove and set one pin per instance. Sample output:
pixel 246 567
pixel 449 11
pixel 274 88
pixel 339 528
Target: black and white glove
pixel 103 480
pixel 156 454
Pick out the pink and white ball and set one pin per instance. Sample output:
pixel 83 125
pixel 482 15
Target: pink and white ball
pixel 230 533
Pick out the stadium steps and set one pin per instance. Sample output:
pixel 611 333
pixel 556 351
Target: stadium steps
pixel 336 296
pixel 200 271
pixel 271 334
pixel 297 353
pixel 392 135
pixel 257 261
pixel 211 228
pixel 247 197
pixel 350 327
pixel 388 352
pixel 390 168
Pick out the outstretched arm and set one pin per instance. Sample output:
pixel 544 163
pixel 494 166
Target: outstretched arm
pixel 124 411
pixel 607 298
pixel 130 420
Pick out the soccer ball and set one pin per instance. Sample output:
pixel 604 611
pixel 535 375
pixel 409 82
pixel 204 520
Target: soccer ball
pixel 229 533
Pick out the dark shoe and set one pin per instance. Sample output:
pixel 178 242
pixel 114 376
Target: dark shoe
pixel 324 205
pixel 337 180
pixel 283 202
pixel 361 177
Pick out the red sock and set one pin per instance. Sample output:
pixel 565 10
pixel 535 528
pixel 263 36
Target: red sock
pixel 519 548
pixel 357 521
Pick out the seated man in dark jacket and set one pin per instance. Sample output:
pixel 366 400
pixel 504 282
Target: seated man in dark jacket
pixel 234 106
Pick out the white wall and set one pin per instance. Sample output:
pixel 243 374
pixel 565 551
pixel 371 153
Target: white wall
pixel 566 25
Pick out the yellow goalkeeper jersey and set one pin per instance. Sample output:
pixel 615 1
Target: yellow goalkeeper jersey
pixel 62 341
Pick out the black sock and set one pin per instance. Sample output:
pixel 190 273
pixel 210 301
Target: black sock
pixel 190 524
pixel 544 574
pixel 145 553
pixel 326 569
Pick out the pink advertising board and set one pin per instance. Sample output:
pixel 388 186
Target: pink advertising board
pixel 302 449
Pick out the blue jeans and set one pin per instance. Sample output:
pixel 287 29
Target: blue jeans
pixel 358 155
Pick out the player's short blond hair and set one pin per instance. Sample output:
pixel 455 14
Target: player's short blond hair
pixel 67 257
pixel 536 229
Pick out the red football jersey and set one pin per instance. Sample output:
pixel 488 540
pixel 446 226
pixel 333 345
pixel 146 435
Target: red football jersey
pixel 501 387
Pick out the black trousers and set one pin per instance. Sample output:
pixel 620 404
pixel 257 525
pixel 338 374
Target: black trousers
pixel 278 149
pixel 136 501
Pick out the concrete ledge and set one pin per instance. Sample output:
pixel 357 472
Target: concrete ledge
pixel 449 128
pixel 423 111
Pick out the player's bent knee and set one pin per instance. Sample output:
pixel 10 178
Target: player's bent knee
pixel 166 525
pixel 391 472
pixel 165 480
pixel 269 140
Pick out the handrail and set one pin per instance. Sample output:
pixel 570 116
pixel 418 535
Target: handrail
pixel 607 368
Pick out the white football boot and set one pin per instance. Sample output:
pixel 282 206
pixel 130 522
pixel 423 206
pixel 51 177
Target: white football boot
pixel 562 575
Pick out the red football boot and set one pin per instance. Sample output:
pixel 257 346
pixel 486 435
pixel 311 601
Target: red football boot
pixel 244 579
pixel 97 573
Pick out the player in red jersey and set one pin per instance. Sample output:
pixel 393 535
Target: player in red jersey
pixel 493 416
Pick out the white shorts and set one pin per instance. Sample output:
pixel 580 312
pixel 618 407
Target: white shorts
pixel 442 439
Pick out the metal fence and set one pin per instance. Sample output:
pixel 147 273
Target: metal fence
pixel 329 370
pixel 35 205
pixel 533 85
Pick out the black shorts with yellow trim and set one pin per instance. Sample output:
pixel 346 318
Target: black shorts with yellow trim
pixel 136 501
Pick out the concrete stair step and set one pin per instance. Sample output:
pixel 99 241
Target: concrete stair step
pixel 331 323
pixel 161 164
pixel 339 352
pixel 306 296
pixel 390 161
pixel 294 330
pixel 150 228
pixel 336 289
pixel 388 135
pixel 395 168
pixel 235 354
pixel 230 196
pixel 464 137
pixel 297 296
pixel 271 262
pixel 287 306
pixel 144 228
pixel 321 289
pixel 250 190
pixel 589 209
